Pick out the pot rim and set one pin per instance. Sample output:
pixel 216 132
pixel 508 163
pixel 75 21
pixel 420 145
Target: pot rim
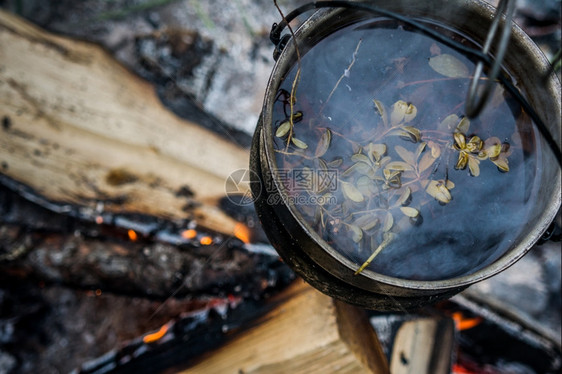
pixel 368 279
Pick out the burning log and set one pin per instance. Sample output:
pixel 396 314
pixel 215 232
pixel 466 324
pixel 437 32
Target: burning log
pixel 84 135
pixel 105 194
pixel 155 259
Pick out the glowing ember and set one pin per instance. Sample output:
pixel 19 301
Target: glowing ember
pixel 206 240
pixel 189 234
pixel 463 323
pixel 242 232
pixel 457 369
pixel 151 338
pixel 99 220
pixel 132 235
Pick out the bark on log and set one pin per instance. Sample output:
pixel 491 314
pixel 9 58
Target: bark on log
pixel 78 128
pixel 39 244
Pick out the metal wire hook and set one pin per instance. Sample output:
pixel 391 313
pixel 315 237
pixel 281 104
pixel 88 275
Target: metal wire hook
pixel 474 102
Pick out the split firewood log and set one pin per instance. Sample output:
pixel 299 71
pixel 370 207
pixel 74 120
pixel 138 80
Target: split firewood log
pixel 80 132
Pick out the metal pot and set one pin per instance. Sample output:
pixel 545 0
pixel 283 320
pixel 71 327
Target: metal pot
pixel 318 263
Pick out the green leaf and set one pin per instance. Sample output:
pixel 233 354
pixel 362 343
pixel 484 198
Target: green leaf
pixel 398 112
pixel 501 163
pixel 356 233
pixel 335 162
pixel 426 161
pixel 494 150
pixel 390 174
pixel 462 160
pixel 449 66
pixel 460 140
pixel 385 160
pixel 283 129
pixel 388 222
pixel 324 143
pixel 414 132
pixel 359 168
pixel 363 184
pixel 299 143
pixel 399 165
pixel 435 149
pixel 351 192
pixel 367 221
pixel 419 150
pixel 474 145
pixel 438 190
pixel 404 197
pixel 406 155
pixel 473 166
pixel 411 113
pixel 382 111
pixel 322 165
pixel 410 212
pixel 360 157
pixel 463 126
pixel 449 123
pixel 375 151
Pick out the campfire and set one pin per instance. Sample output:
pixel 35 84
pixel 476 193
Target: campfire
pixel 121 251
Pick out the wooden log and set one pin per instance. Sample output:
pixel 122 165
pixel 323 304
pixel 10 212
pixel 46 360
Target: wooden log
pixel 36 243
pixel 78 128
pixel 308 333
pixel 423 346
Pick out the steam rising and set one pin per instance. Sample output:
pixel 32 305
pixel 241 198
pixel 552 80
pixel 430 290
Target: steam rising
pixel 486 213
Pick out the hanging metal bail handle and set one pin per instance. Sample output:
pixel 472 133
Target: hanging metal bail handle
pixel 477 94
pixel 475 101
